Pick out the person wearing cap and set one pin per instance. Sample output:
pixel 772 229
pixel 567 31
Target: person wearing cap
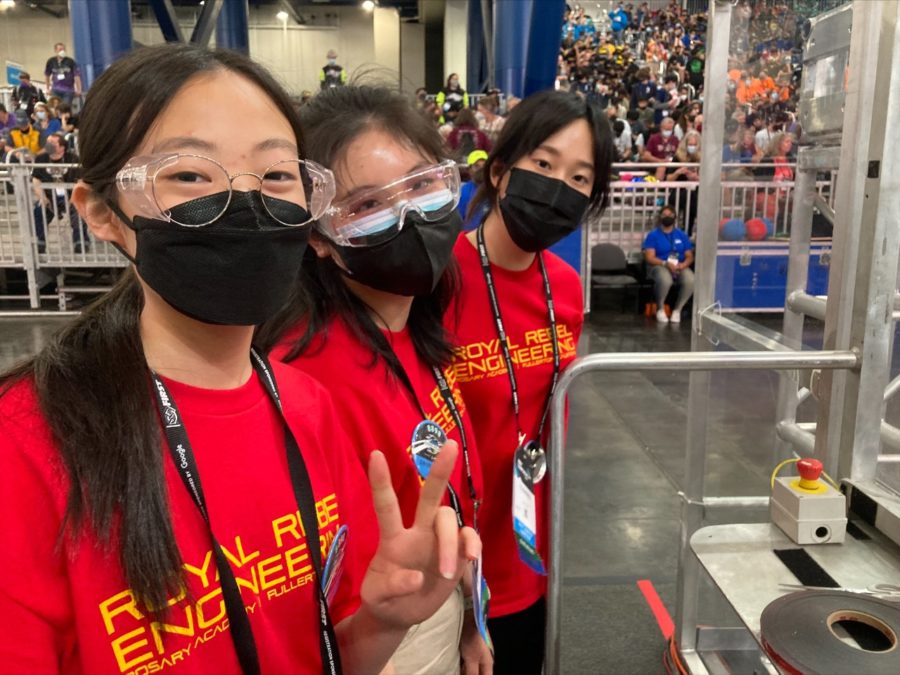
pixel 27 94
pixel 332 75
pixel 26 136
pixel 475 162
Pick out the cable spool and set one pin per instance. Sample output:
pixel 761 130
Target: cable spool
pixel 832 633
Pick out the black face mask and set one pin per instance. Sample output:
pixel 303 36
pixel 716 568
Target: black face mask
pixel 539 211
pixel 237 271
pixel 667 221
pixel 410 264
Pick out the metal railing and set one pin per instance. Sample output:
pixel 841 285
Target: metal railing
pixel 46 238
pixel 695 457
pixel 42 235
pixel 633 205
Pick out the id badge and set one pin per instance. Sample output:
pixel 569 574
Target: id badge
pixel 427 441
pixel 673 259
pixel 481 597
pixel 334 564
pixel 60 76
pixel 524 513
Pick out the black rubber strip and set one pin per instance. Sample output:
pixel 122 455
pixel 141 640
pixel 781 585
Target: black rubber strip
pixel 863 506
pixel 856 531
pixel 807 570
pixel 810 573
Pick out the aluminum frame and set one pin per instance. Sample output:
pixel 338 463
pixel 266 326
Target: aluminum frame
pixel 859 311
pixel 695 362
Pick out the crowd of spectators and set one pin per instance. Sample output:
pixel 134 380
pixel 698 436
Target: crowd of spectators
pixel 34 116
pixel 646 69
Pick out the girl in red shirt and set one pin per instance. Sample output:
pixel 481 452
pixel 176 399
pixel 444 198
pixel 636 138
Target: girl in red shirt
pixel 169 500
pixel 549 169
pixel 367 317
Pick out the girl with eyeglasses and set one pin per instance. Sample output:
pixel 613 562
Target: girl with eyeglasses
pixel 170 499
pixel 366 321
pixel 516 327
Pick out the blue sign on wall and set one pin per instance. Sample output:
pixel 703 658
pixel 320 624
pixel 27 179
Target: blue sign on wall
pixel 12 73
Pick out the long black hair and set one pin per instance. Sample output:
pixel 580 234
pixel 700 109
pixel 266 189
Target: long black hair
pixel 331 121
pixel 92 381
pixel 531 123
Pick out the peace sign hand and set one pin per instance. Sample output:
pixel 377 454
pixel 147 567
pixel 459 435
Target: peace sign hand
pixel 415 570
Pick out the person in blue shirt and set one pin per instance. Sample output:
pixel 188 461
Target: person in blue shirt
pixel 475 161
pixel 619 23
pixel 669 254
pixel 643 88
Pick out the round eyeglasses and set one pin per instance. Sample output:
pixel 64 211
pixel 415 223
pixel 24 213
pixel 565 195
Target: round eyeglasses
pixel 376 215
pixel 157 184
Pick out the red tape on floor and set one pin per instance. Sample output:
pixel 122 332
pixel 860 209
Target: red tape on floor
pixel 663 619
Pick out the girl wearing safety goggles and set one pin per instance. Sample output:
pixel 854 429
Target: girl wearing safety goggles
pixel 366 319
pixel 517 325
pixel 172 501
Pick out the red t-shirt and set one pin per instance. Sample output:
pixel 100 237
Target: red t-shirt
pixel 662 148
pixel 481 372
pixel 71 611
pixel 378 412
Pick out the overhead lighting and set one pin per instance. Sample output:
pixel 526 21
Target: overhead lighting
pixel 282 15
pixel 7 4
pixel 368 5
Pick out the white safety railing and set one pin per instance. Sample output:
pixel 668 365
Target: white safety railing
pixel 633 206
pixel 42 235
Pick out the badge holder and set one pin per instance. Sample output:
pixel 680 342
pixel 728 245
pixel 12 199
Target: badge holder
pixel 481 597
pixel 523 507
pixel 427 441
pixel 673 260
pixel 334 564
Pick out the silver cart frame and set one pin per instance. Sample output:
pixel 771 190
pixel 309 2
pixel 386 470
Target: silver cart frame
pixel 859 311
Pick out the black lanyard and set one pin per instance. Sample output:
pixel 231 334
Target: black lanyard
pixel 183 457
pixel 501 334
pixel 447 394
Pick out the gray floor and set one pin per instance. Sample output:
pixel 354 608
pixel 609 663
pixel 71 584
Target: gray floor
pixel 624 465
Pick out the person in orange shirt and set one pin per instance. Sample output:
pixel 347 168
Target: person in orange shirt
pixel 744 91
pixel 766 84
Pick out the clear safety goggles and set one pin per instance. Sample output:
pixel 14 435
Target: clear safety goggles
pixel 156 184
pixel 377 215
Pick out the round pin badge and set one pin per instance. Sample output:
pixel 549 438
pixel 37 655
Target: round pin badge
pixel 427 441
